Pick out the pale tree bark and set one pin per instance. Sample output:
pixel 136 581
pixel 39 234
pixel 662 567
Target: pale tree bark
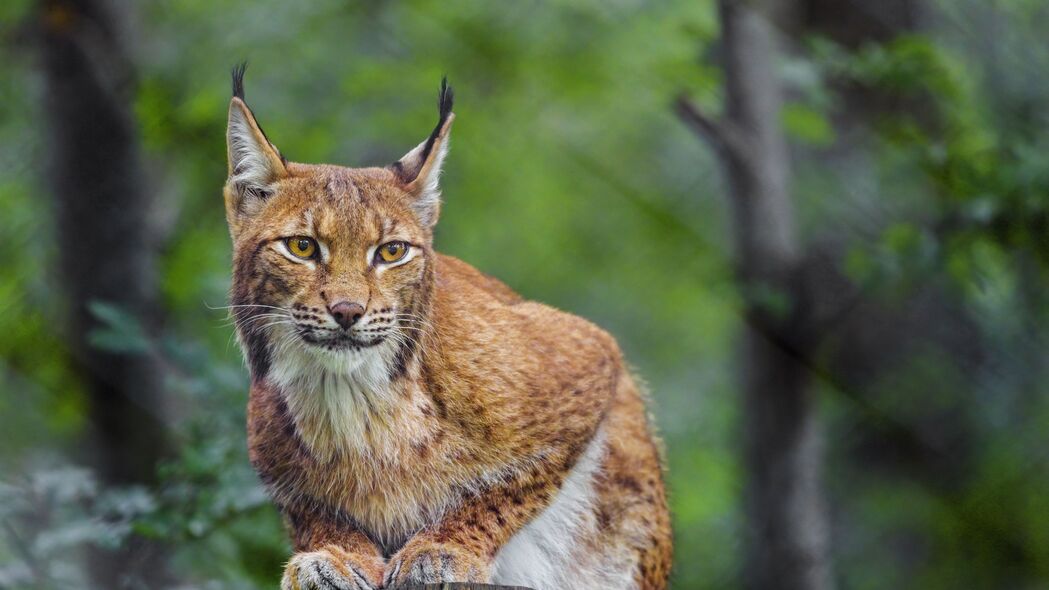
pixel 786 546
pixel 106 254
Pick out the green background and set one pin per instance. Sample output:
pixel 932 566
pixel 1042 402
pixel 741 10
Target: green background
pixel 570 179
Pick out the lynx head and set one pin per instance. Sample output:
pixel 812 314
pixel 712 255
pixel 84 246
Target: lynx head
pixel 333 266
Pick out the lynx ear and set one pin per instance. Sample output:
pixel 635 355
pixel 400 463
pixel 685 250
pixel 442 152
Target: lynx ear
pixel 254 163
pixel 420 169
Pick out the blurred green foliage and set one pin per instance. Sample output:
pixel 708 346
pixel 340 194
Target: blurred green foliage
pixel 570 179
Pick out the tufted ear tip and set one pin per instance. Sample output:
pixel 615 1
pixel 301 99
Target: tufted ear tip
pixel 237 76
pixel 420 169
pixel 445 100
pixel 254 163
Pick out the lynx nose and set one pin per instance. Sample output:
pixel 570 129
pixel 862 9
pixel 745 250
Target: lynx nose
pixel 345 313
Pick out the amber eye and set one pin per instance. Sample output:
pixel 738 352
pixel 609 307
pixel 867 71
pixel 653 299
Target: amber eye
pixel 301 246
pixel 392 251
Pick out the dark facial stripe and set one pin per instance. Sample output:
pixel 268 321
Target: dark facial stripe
pixel 405 353
pixel 420 305
pixel 256 347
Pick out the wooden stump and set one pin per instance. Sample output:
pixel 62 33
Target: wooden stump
pixel 459 586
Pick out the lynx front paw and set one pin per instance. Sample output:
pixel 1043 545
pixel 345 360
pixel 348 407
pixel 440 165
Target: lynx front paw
pixel 434 564
pixel 332 568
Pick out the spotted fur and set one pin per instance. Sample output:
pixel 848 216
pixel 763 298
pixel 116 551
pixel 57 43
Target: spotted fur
pixel 455 432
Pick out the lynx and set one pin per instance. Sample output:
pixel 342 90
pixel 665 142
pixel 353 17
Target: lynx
pixel 413 419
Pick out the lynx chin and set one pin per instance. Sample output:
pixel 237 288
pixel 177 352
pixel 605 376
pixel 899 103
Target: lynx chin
pixel 413 419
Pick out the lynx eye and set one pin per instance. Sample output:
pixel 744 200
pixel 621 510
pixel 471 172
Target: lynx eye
pixel 301 247
pixel 392 251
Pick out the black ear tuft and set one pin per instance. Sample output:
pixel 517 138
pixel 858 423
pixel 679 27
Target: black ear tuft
pixel 238 79
pixel 444 101
pixel 445 98
pixel 408 167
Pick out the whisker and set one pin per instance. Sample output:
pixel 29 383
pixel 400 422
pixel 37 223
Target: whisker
pixel 255 318
pixel 244 305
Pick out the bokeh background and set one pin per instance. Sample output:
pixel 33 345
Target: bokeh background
pixel 917 134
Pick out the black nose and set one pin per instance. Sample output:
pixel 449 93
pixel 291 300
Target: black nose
pixel 345 313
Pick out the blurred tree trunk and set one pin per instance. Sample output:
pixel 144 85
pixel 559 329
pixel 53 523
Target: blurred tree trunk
pixel 102 212
pixel 787 541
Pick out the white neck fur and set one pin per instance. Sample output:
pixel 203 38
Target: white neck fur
pixel 335 397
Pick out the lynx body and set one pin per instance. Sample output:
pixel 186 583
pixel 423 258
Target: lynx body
pixel 413 419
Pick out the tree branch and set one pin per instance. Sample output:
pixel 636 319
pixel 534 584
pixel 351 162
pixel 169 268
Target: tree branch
pixel 719 133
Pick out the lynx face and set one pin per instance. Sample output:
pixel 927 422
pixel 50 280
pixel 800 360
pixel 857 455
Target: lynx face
pixel 332 265
pixel 341 253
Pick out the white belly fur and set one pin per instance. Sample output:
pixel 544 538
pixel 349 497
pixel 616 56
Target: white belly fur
pixel 546 554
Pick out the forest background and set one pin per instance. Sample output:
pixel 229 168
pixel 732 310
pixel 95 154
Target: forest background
pixel 891 364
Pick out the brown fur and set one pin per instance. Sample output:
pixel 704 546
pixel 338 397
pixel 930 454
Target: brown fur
pixel 488 400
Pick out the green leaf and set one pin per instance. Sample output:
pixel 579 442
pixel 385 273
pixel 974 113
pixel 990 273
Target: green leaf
pixel 121 332
pixel 807 125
